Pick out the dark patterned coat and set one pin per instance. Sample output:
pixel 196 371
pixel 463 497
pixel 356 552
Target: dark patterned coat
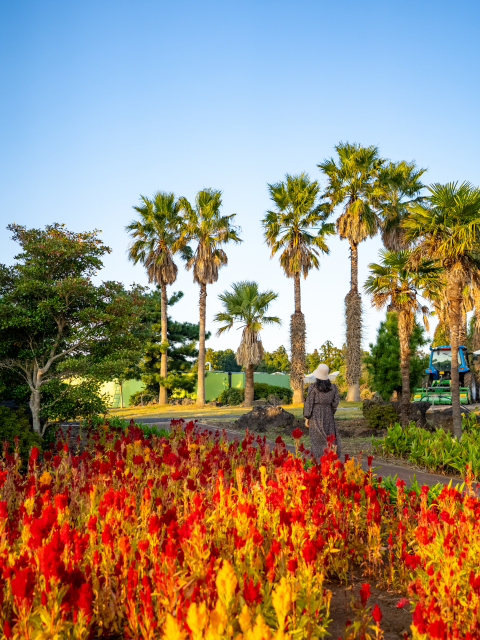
pixel 320 409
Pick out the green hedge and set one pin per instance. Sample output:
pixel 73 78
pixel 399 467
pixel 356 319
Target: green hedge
pixel 379 416
pixel 262 390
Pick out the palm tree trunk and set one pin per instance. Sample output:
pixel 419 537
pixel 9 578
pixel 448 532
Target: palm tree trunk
pixel 404 323
pixel 353 311
pixel 455 299
pixel 462 334
pixel 298 307
pixel 201 347
pixel 297 346
pixel 249 388
pixel 163 395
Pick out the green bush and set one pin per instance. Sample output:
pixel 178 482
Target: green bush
pixel 379 416
pixel 64 401
pixel 14 422
pixel 263 390
pixel 438 451
pixel 232 396
pixel 136 398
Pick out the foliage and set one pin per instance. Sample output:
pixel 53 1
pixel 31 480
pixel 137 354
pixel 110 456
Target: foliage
pixel 383 361
pixel 274 361
pixel 379 416
pixel 438 451
pixel 332 356
pixel 98 422
pixel 14 424
pixel 222 360
pixel 232 396
pixel 289 228
pixel 154 235
pixel 55 323
pixel 182 340
pixel 69 401
pixel 400 187
pixel 126 525
pixel 264 390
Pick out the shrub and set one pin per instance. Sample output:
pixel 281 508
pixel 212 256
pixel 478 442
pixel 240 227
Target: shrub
pixel 379 416
pixel 15 423
pixel 232 396
pixel 136 398
pixel 263 390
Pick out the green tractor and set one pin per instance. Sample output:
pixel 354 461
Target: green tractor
pixel 438 389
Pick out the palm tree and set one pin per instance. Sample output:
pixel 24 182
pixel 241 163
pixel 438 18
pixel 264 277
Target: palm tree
pixel 153 237
pixel 245 305
pixel 204 225
pixel 394 283
pixel 288 229
pixel 447 229
pixel 400 184
pixel 352 183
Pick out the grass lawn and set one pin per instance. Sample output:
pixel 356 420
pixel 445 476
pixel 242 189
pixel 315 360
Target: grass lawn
pixel 346 411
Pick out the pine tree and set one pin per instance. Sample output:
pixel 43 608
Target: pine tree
pixel 181 352
pixel 383 361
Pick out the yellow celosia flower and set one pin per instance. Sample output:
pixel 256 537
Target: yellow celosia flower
pixel 282 601
pixel 263 476
pixel 218 621
pixel 173 630
pixel 226 583
pixel 197 618
pixel 45 478
pixel 260 631
pixel 245 619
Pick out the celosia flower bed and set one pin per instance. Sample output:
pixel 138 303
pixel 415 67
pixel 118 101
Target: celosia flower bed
pixel 194 537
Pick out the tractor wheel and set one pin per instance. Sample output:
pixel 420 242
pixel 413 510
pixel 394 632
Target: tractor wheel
pixel 470 382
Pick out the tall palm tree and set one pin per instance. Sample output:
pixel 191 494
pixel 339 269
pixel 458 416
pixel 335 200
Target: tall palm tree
pixel 352 183
pixel 205 225
pixel 401 186
pixel 246 305
pixel 153 237
pixel 393 282
pixel 447 229
pixel 288 229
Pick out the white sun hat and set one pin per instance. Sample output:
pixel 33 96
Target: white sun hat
pixel 321 373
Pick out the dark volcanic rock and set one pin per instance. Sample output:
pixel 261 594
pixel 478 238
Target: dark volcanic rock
pixel 417 410
pixel 266 417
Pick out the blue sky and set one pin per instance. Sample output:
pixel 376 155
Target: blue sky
pixel 103 101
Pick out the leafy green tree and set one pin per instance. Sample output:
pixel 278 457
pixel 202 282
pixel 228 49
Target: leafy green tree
pixel 222 360
pixel 297 228
pixel 247 306
pixel 446 228
pixel 153 238
pixel 205 226
pixel 352 183
pixel 54 322
pixel 383 361
pixel 182 349
pixel 273 361
pixel 332 356
pixel 393 282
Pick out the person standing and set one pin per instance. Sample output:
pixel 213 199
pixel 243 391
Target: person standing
pixel 319 411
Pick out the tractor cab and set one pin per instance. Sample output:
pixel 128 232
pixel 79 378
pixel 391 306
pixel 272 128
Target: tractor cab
pixel 439 371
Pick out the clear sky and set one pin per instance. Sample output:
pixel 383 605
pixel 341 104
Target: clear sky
pixel 104 100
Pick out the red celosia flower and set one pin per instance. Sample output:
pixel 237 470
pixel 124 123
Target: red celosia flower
pixel 364 593
pixel 34 453
pixel 251 592
pixel 402 602
pixel 309 552
pixel 23 584
pixel 377 614
pixel 369 460
pixel 292 565
pixel 297 433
